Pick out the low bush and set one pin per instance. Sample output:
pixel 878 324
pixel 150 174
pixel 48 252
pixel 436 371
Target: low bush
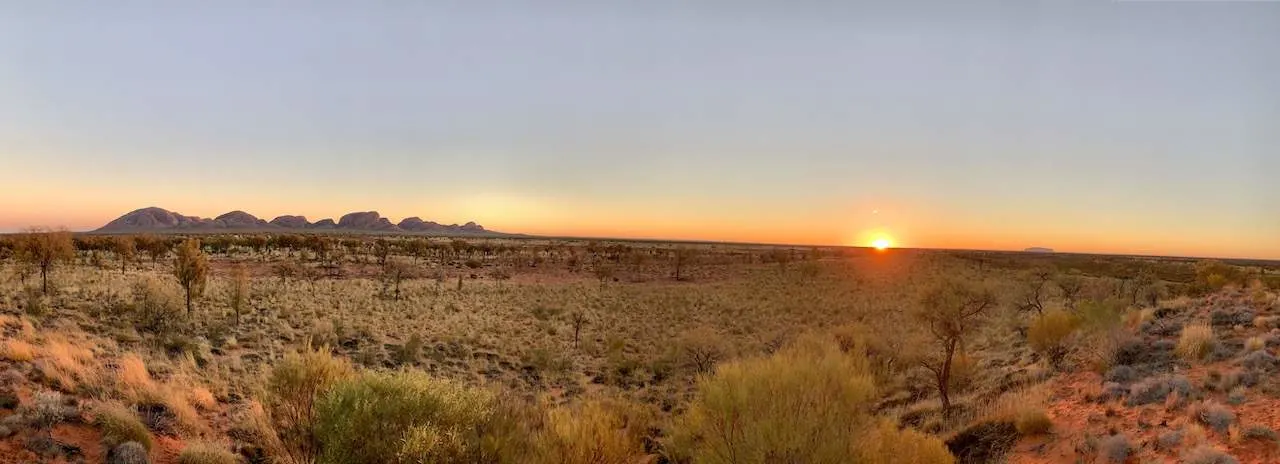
pixel 1115 448
pixel 1260 360
pixel 597 431
pixel 295 388
pixel 806 403
pixel 402 417
pixel 984 441
pixel 1156 389
pixel 1207 455
pixel 128 453
pixel 120 425
pixel 1169 440
pixel 1033 422
pixel 1050 334
pixel 1260 432
pixel 887 444
pixel 1214 415
pixel 1237 396
pixel 157 308
pixel 1121 374
pixel 1195 343
pixel 201 452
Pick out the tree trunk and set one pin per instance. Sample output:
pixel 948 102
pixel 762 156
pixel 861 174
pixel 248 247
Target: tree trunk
pixel 188 300
pixel 44 279
pixel 944 379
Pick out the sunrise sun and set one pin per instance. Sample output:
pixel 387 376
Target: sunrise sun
pixel 881 243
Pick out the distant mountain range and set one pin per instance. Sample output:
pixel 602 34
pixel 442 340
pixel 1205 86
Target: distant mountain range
pixel 160 220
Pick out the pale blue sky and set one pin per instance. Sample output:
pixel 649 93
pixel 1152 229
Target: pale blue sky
pixel 1093 126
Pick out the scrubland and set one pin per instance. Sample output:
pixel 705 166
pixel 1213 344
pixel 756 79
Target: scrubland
pixel 330 349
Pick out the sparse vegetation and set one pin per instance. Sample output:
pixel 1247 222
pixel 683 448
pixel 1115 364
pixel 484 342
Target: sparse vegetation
pixel 534 361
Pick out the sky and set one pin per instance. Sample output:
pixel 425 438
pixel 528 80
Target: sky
pixel 1142 127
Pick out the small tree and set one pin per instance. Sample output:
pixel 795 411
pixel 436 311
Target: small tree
pixel 1035 289
pixel 239 291
pixel 681 258
pixel 1070 287
pixel 286 270
pixel 394 272
pixel 702 347
pixel 604 272
pixel 579 319
pixel 381 250
pixel 949 312
pixel 155 247
pixel 125 248
pixel 191 267
pixel 43 248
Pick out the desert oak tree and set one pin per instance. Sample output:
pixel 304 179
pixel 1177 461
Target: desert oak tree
pixel 191 267
pixel 43 248
pixel 948 313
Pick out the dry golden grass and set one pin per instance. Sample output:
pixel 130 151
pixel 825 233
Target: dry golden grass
pixel 1024 407
pixel 119 424
pixel 68 357
pixel 1195 342
pixel 133 376
pixel 205 452
pixel 202 398
pixel 1266 322
pixel 17 350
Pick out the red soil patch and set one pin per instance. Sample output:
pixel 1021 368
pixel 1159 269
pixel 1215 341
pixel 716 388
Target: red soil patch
pixel 1075 418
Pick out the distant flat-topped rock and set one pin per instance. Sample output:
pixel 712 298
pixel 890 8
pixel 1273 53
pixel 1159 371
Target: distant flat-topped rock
pixel 325 223
pixel 291 222
pixel 155 219
pixel 1038 250
pixel 152 218
pixel 240 220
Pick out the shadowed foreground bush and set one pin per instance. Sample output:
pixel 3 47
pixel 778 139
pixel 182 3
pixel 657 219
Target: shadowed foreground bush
pixel 807 403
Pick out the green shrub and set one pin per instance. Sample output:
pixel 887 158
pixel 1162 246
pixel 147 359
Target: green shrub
pixel 156 307
pixel 1050 333
pixel 887 444
pixel 596 432
pixel 294 390
pixel 402 417
pixel 120 425
pixel 807 403
pixel 1100 314
pixel 200 452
